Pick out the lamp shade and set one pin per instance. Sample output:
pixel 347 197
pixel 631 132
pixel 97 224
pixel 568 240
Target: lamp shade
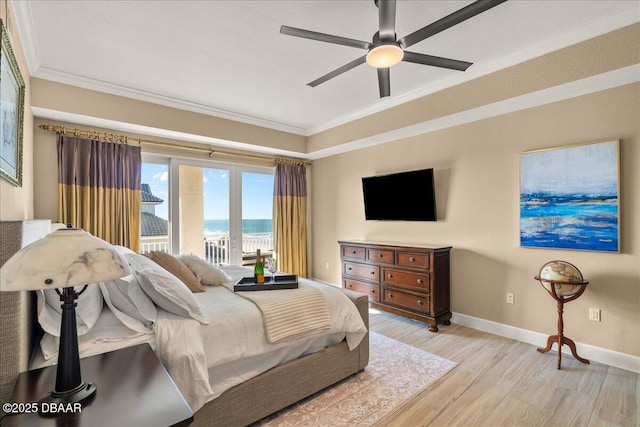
pixel 67 257
pixel 385 55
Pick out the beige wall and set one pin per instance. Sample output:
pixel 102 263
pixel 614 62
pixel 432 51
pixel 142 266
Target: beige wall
pixel 476 173
pixel 17 202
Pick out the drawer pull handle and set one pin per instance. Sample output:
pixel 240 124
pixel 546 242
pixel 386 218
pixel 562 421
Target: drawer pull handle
pixel 380 255
pixel 419 281
pixel 412 259
pixel 350 286
pixel 390 295
pixel 354 252
pixel 349 268
pixel 419 302
pixel 390 275
pixel 373 291
pixel 373 272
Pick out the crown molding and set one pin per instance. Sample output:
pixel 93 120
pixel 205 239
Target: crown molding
pixel 24 24
pixel 600 82
pixel 562 92
pixel 127 92
pixel 21 11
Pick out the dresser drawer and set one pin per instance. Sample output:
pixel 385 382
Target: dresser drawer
pixel 407 300
pixel 373 291
pixel 362 271
pixel 353 252
pixel 409 280
pixel 380 255
pixel 412 260
pixel 406 279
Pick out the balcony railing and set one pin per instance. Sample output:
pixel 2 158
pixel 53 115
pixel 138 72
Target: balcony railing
pixel 217 247
pixel 154 243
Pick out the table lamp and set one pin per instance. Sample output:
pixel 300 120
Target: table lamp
pixel 61 260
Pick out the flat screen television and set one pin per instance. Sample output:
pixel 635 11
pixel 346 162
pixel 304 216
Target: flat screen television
pixel 404 196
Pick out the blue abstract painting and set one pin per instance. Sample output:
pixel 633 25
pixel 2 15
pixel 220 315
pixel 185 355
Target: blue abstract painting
pixel 569 197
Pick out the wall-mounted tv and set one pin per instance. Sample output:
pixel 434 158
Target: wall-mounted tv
pixel 404 196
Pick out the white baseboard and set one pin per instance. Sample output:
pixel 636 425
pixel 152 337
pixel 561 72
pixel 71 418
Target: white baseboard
pixel 590 352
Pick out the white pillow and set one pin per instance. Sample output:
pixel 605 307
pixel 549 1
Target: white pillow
pixel 169 293
pixel 126 291
pixel 207 273
pixel 108 334
pixel 141 262
pixel 123 250
pixel 143 303
pixel 87 311
pixel 129 303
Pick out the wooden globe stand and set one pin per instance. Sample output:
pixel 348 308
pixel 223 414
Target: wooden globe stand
pixel 560 338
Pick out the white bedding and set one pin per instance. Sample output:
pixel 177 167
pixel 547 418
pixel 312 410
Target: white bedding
pixel 205 360
pixel 108 334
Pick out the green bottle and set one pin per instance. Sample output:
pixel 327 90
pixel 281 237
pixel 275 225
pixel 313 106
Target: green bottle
pixel 258 270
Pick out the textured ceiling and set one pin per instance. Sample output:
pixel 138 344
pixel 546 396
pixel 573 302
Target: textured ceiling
pixel 227 58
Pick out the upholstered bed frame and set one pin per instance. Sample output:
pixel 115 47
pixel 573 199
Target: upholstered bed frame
pixel 289 383
pixel 241 405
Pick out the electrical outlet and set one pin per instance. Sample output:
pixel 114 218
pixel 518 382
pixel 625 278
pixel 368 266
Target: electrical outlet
pixel 510 298
pixel 594 314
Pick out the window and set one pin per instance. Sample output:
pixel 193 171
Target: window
pixel 257 215
pixel 221 212
pixel 154 220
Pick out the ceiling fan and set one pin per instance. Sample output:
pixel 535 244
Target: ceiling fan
pixel 386 50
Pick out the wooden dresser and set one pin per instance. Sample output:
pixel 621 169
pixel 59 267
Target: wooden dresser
pixel 411 281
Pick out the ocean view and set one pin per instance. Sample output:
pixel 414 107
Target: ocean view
pixel 249 226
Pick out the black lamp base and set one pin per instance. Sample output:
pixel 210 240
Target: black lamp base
pixel 80 394
pixel 58 403
pixel 70 391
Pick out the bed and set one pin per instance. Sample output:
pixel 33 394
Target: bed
pixel 232 387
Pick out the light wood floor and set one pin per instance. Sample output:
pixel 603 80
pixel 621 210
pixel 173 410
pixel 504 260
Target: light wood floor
pixel 503 382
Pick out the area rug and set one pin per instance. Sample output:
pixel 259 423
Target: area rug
pixel 396 372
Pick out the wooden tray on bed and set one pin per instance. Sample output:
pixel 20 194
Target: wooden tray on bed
pixel 279 281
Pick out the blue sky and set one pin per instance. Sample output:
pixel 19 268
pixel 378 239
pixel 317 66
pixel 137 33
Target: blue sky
pixel 257 192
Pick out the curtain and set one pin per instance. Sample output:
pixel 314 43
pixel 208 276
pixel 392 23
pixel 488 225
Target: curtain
pixel 99 188
pixel 290 218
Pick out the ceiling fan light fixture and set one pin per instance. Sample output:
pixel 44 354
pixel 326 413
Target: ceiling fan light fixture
pixel 385 55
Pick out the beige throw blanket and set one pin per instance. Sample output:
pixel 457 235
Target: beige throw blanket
pixel 291 313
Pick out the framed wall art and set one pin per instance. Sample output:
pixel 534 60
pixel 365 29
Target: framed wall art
pixel 11 112
pixel 570 197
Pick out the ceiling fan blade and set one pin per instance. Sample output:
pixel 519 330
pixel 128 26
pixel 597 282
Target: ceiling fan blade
pixel 387 19
pixel 337 72
pixel 328 38
pixel 436 61
pixel 449 21
pixel 384 82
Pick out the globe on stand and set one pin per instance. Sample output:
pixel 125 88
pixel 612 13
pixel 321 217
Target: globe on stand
pixel 564 282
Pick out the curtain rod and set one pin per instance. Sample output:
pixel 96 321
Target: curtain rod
pixel 123 139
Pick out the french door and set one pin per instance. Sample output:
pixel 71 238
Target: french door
pixel 217 211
